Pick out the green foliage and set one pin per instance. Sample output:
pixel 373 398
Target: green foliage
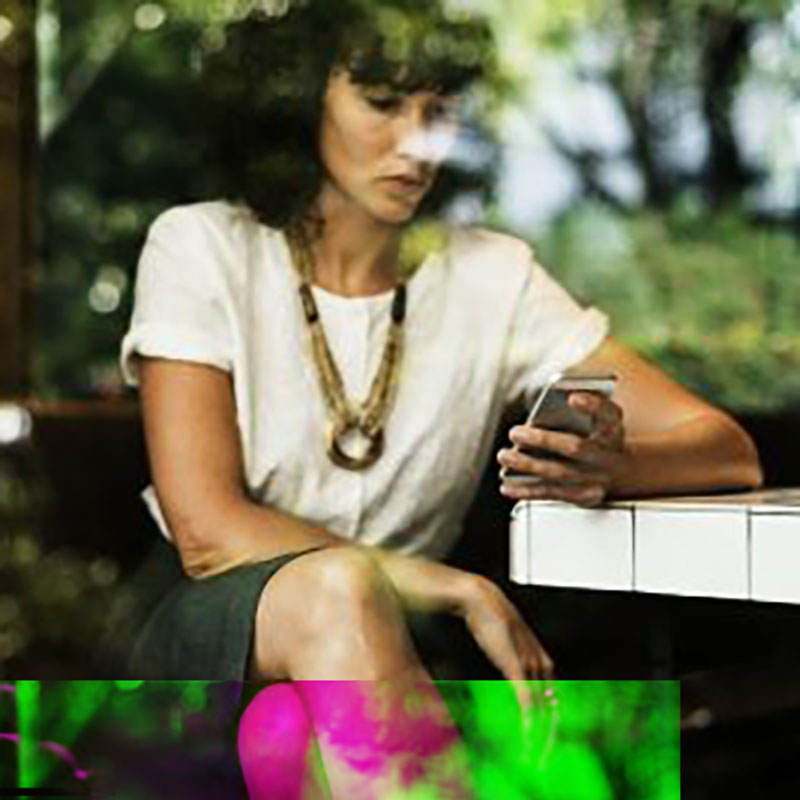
pixel 714 299
pixel 126 147
pixel 701 289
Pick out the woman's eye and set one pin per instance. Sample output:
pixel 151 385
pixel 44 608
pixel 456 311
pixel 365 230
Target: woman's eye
pixel 442 111
pixel 384 104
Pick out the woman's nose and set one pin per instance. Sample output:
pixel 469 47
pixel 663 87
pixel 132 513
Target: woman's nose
pixel 425 141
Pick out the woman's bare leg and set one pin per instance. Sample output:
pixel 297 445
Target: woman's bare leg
pixel 331 622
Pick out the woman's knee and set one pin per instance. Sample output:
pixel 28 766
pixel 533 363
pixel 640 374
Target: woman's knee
pixel 349 579
pixel 330 595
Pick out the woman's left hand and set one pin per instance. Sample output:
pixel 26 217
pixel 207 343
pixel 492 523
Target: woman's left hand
pixel 589 466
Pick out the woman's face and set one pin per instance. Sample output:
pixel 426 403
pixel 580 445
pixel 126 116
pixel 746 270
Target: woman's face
pixel 382 148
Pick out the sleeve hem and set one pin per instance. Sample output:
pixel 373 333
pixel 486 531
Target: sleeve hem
pixel 170 342
pixel 587 336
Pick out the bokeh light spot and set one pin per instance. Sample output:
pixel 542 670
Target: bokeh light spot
pixel 15 424
pixel 103 572
pixel 6 28
pixel 104 298
pixel 106 292
pixel 26 551
pixel 213 39
pixel 149 16
pixel 124 219
pixel 9 609
pixel 48 28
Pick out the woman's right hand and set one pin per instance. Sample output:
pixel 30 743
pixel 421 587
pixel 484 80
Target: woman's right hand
pixel 504 636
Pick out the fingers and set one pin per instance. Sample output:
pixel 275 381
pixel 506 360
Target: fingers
pixel 536 662
pixel 542 468
pixel 580 476
pixel 510 644
pixel 533 671
pixel 586 496
pixel 532 680
pixel 569 445
pixel 607 416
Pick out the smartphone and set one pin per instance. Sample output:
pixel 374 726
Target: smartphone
pixel 551 411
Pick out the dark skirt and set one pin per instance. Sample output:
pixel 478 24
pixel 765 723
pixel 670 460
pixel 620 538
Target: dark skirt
pixel 166 626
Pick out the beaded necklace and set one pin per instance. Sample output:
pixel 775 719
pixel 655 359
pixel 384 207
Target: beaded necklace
pixel 345 419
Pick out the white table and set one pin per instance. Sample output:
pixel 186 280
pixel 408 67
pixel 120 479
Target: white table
pixel 739 546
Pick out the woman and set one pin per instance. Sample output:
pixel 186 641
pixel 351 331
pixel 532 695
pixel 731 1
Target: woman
pixel 321 383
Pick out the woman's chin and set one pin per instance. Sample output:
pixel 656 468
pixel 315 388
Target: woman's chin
pixel 392 212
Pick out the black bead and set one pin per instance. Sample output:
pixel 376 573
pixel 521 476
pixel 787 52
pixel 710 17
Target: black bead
pixel 309 305
pixel 399 304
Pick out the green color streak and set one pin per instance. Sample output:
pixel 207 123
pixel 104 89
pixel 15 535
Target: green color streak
pixel 602 738
pixel 194 698
pixel 128 686
pixel 29 766
pixel 82 702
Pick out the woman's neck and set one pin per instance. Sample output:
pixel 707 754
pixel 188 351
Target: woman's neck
pixel 356 255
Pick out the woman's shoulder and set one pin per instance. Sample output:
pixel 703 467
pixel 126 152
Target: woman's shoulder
pixel 221 219
pixel 481 241
pixel 483 253
pixel 218 233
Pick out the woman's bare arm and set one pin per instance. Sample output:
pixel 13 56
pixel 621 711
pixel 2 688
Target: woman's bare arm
pixel 196 465
pixel 654 438
pixel 197 469
pixel 677 441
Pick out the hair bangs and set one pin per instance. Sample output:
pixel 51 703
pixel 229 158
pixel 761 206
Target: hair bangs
pixel 412 55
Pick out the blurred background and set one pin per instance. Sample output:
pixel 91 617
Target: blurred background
pixel 650 152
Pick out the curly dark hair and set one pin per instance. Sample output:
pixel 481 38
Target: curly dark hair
pixel 266 88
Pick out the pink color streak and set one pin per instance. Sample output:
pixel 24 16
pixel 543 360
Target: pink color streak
pixel 368 726
pixel 274 739
pixel 373 729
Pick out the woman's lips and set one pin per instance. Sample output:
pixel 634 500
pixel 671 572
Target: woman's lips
pixel 403 184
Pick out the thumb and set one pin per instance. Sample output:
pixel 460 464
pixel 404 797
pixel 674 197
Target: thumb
pixel 524 695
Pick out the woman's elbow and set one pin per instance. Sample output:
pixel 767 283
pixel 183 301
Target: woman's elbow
pixel 744 462
pixel 196 536
pixel 751 473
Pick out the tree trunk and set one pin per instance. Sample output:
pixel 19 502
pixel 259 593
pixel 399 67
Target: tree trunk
pixel 17 192
pixel 725 53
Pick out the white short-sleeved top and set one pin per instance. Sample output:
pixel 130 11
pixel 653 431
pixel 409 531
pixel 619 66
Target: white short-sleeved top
pixel 485 324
